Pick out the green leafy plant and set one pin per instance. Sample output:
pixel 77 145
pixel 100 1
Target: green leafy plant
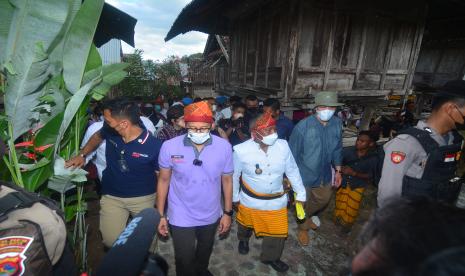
pixel 49 72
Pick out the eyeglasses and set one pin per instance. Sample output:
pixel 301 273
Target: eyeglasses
pixel 458 109
pixel 198 130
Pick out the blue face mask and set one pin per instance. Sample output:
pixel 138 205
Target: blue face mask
pixel 157 108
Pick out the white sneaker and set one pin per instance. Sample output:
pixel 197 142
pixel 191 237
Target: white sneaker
pixel 316 220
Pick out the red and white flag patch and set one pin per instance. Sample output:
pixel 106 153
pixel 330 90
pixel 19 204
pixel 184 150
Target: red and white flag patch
pixel 450 157
pixel 397 157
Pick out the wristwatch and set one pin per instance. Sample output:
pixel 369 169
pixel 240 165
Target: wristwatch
pixel 228 213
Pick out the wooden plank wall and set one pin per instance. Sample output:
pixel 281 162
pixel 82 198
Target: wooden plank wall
pixel 438 64
pixel 294 47
pixel 343 51
pixel 258 48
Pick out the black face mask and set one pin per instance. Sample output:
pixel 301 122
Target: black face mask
pixel 459 126
pixel 253 110
pixel 108 129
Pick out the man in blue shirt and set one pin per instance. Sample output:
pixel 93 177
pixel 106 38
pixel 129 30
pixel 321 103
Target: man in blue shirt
pixel 129 180
pixel 316 144
pixel 284 126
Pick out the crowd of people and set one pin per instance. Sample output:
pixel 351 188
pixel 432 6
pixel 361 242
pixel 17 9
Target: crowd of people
pixel 200 161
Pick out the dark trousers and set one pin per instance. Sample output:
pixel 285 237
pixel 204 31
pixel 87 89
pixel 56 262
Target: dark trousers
pixel 192 248
pixel 272 247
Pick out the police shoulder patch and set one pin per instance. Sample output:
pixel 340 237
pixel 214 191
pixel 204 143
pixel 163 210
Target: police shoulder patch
pixel 397 157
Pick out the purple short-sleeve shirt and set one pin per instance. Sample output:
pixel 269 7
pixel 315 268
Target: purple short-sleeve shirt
pixel 194 197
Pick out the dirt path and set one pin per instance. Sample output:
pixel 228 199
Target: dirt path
pixel 327 254
pixel 329 251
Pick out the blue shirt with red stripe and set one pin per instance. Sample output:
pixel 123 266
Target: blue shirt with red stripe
pixel 131 167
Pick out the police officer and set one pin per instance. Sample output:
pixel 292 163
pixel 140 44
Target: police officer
pixel 422 160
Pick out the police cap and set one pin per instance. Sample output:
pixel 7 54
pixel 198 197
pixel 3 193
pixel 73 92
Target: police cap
pixel 455 88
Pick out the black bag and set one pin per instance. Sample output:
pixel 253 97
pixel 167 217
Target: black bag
pixel 32 235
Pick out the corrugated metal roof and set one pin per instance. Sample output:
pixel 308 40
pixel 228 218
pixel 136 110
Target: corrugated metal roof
pixel 111 52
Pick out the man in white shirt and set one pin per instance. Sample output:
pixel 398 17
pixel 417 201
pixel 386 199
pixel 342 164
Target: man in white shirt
pixel 98 155
pixel 259 166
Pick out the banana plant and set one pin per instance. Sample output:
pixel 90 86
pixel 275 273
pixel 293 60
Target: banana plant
pixel 49 72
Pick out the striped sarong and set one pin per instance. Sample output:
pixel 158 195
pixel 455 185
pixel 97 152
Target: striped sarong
pixel 347 204
pixel 265 223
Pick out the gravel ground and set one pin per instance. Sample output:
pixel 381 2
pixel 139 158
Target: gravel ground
pixel 329 252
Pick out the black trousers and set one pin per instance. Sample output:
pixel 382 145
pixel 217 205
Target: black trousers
pixel 272 247
pixel 192 248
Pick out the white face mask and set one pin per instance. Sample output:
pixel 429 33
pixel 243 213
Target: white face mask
pixel 198 138
pixel 238 116
pixel 270 139
pixel 325 114
pixel 214 107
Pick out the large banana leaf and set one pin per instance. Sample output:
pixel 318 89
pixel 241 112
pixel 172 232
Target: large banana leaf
pixel 52 101
pixel 34 21
pixel 56 56
pixel 49 133
pixel 34 26
pixel 22 92
pixel 78 43
pixel 71 109
pixel 112 75
pixel 6 13
pixel 94 60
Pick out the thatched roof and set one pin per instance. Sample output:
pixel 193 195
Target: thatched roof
pixel 210 16
pixel 114 23
pixel 215 16
pixel 201 15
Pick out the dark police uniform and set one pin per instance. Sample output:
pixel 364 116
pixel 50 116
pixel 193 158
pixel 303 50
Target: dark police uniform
pixel 421 162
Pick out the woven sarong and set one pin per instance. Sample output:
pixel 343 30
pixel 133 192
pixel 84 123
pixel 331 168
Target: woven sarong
pixel 265 223
pixel 347 204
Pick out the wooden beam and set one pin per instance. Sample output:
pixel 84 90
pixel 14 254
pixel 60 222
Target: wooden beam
pixel 257 48
pixel 416 51
pixel 387 57
pixel 361 54
pixel 368 113
pixel 292 53
pixel 245 56
pixel 268 53
pixel 329 54
pixel 223 49
pixel 282 56
pixel 346 30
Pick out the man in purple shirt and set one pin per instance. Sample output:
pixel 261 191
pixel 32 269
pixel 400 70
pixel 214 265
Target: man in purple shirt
pixel 194 168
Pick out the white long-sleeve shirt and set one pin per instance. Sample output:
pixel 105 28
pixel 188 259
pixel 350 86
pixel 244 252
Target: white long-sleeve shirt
pixel 278 160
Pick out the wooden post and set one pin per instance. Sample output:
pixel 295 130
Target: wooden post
pixel 259 25
pixel 346 30
pixel 387 58
pixel 223 49
pixel 368 113
pixel 294 38
pixel 245 58
pixel 419 105
pixel 416 51
pixel 361 54
pixel 329 54
pixel 268 53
